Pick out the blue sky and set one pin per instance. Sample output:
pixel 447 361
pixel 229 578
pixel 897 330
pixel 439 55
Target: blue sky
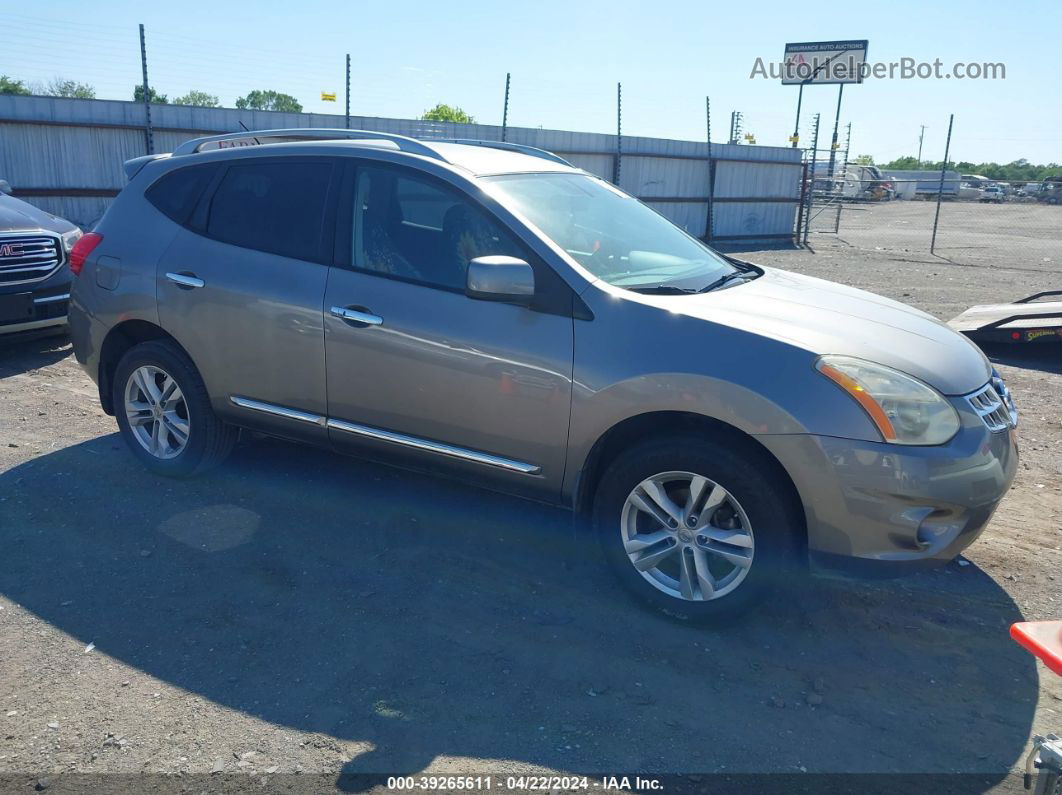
pixel 566 58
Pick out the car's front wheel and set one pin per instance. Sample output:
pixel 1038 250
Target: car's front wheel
pixel 697 528
pixel 164 412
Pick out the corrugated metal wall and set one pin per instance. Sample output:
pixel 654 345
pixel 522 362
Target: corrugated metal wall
pixel 66 155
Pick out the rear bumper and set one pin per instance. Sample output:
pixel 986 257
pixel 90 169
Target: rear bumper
pixel 880 509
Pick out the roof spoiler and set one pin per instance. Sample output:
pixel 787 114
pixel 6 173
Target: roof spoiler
pixel 132 167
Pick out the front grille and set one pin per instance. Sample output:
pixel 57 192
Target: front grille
pixel 990 405
pixel 28 257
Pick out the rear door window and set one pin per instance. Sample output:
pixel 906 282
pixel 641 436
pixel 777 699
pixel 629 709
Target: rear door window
pixel 274 206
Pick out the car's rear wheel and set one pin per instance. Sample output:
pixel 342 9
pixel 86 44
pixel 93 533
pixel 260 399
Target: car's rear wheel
pixel 164 412
pixel 696 528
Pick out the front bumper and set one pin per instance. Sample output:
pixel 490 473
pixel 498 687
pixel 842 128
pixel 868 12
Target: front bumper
pixel 880 508
pixel 51 300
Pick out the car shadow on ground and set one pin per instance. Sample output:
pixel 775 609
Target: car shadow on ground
pixel 1046 357
pixel 329 595
pixel 26 352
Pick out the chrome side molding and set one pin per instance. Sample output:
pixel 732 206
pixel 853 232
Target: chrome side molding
pixel 279 411
pixel 415 442
pixel 436 447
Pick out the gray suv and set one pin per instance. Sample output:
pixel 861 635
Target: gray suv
pixel 489 311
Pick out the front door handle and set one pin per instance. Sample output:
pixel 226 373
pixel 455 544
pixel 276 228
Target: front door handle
pixel 356 317
pixel 186 280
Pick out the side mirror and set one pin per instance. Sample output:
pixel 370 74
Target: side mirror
pixel 5 187
pixel 500 278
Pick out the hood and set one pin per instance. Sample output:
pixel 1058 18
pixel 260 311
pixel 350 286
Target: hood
pixel 825 317
pixel 16 216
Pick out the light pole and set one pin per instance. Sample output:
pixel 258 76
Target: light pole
pixel 920 136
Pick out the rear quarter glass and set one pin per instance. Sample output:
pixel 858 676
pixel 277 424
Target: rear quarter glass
pixel 176 193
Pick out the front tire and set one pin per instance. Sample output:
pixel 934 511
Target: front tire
pixel 164 412
pixel 698 529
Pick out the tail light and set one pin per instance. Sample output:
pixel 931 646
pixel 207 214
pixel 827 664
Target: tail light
pixel 82 248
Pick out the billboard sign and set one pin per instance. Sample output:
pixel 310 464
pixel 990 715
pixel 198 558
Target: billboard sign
pixel 824 62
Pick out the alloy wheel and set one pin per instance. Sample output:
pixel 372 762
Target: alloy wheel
pixel 157 412
pixel 687 536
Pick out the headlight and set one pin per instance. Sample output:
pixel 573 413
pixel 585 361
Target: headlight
pixel 70 238
pixel 904 409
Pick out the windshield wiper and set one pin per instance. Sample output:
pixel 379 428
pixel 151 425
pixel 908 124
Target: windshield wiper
pixel 671 289
pixel 722 281
pixel 662 289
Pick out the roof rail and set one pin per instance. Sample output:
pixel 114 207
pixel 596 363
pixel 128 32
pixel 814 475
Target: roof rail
pixel 532 151
pixel 403 142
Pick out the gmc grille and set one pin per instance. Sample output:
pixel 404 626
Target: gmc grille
pixel 28 257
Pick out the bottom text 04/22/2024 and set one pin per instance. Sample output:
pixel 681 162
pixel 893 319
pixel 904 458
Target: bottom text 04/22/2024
pixel 530 783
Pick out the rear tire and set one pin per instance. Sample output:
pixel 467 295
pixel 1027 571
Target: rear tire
pixel 717 516
pixel 164 412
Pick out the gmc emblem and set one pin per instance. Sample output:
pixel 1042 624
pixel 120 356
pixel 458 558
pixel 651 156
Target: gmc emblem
pixel 11 250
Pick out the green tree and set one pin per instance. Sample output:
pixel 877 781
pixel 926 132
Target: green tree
pixel 269 100
pixel 864 160
pixel 8 85
pixel 1018 171
pixel 154 96
pixel 905 163
pixel 200 99
pixel 58 87
pixel 443 112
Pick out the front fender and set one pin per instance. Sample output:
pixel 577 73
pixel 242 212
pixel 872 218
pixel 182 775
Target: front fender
pixel 635 359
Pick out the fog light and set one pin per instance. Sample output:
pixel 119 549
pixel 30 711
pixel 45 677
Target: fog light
pixel 938 529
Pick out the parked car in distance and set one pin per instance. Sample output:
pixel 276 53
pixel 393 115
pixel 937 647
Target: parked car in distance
pixel 993 193
pixel 969 192
pixel 34 274
pixel 1050 191
pixel 488 311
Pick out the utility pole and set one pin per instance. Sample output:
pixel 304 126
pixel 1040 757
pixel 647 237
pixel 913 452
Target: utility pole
pixel 920 136
pixel 505 109
pixel 149 135
pixel 711 169
pixel 810 182
pixel 795 138
pixel 940 190
pixel 348 90
pixel 836 123
pixel 618 161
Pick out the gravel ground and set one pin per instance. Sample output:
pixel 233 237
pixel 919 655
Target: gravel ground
pixel 301 612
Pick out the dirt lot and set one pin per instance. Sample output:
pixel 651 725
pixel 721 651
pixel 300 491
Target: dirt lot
pixel 300 612
pixel 1023 235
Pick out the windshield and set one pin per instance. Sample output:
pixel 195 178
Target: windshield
pixel 615 237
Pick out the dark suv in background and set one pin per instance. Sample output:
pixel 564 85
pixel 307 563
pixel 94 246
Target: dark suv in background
pixel 34 266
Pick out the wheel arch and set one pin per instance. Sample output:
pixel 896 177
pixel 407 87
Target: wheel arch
pixel 638 428
pixel 120 339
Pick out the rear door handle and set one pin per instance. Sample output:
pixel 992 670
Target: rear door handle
pixel 186 280
pixel 356 316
